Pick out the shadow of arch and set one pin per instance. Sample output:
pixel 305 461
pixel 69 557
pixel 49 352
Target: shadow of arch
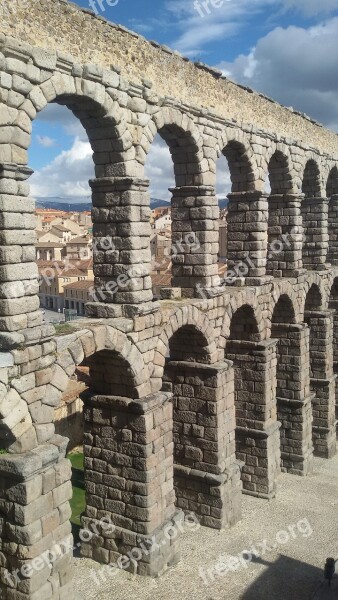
pixel 283 311
pixel 184 321
pixel 244 325
pixel 251 312
pixel 105 342
pixel 284 295
pixel 313 299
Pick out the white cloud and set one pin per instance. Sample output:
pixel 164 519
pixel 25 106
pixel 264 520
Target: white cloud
pixel 223 181
pixel 159 170
pixel 67 175
pixel 311 8
pixel 56 114
pixel 296 67
pixel 45 141
pixel 199 25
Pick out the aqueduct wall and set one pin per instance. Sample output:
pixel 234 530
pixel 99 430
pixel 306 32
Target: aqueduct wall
pixel 201 396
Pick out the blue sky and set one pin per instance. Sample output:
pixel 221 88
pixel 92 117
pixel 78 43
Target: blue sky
pixel 284 48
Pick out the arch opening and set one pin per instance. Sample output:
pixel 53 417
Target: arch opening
pixel 234 175
pixel 184 151
pixel 73 250
pixel 92 414
pixel 159 169
pixel 189 257
pixel 313 300
pixel 283 316
pixel 314 212
pixel 332 195
pixel 284 257
pixel 332 183
pixel 333 305
pixel 247 353
pixel 244 325
pixel 311 185
pixel 64 247
pixel 279 174
pixel 189 344
pixel 240 167
pixel 321 324
pixel 291 387
pixel 195 388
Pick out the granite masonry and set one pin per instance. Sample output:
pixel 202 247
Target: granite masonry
pixel 206 394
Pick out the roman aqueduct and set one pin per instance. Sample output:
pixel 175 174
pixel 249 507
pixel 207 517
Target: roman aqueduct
pixel 215 389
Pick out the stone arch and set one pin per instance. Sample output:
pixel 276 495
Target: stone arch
pixel 279 171
pixel 332 195
pixel 333 292
pixel 332 182
pixel 283 311
pixel 252 311
pixel 322 351
pixel 284 288
pixel 248 356
pixel 314 212
pixel 284 219
pixel 236 148
pixel 101 116
pixel 314 294
pixel 290 381
pixel 198 390
pixel 311 179
pixel 184 141
pixel 182 319
pixel 313 299
pixel 243 324
pixel 333 305
pixel 73 349
pixel 76 348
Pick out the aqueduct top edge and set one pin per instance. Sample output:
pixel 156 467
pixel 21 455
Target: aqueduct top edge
pixel 65 27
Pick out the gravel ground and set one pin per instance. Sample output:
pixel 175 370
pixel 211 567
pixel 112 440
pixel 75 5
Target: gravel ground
pixel 290 569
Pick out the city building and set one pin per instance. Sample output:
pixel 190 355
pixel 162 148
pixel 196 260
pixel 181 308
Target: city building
pixel 55 275
pixel 80 247
pixel 77 294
